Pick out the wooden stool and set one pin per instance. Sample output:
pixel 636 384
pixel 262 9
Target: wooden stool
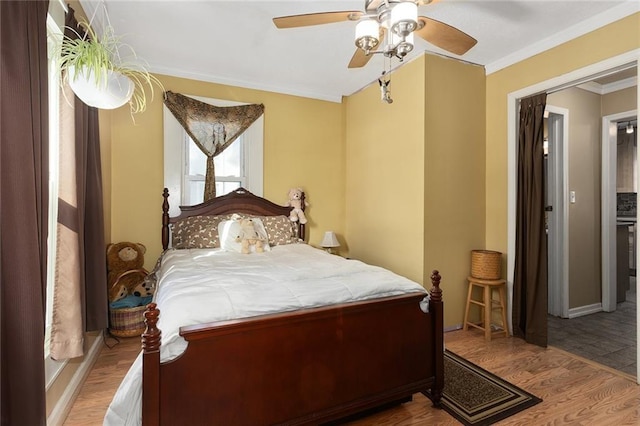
pixel 488 304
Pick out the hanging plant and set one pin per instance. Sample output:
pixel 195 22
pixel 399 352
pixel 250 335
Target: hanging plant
pixel 93 68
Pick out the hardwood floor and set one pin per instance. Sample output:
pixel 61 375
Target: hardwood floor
pixel 575 391
pixel 103 380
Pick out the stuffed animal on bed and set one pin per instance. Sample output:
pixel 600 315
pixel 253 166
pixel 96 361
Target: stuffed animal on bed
pixel 296 200
pixel 249 236
pixel 126 274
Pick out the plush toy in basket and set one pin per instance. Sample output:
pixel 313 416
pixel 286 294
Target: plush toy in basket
pixel 130 290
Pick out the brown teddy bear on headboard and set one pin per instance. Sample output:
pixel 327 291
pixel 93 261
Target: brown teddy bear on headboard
pixel 126 274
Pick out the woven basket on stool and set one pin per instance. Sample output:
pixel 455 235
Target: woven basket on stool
pixel 486 264
pixel 127 322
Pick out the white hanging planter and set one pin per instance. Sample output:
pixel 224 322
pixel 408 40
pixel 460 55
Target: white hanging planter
pixel 109 91
pixel 114 83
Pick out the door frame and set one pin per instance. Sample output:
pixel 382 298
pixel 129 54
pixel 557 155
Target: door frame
pixel 558 237
pixel 608 207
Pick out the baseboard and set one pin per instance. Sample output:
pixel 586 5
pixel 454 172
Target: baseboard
pixel 453 328
pixel 64 404
pixel 585 310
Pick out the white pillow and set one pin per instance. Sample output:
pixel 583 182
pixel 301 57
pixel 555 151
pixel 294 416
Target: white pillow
pixel 229 230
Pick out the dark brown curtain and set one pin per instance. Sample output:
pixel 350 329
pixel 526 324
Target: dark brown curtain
pixel 93 269
pixel 530 276
pixel 90 210
pixel 24 177
pixel 213 129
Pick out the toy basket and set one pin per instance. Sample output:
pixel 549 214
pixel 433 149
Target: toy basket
pixel 486 264
pixel 127 322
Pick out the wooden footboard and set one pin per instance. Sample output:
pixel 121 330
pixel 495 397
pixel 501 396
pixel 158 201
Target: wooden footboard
pixel 302 367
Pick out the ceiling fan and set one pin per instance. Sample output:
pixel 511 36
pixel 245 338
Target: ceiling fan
pixel 391 23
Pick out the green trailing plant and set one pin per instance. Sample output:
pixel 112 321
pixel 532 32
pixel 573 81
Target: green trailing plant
pixel 89 53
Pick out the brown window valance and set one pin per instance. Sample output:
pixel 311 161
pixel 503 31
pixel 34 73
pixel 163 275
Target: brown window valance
pixel 212 128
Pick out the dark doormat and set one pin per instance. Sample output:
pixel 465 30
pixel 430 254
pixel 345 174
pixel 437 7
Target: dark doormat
pixel 476 397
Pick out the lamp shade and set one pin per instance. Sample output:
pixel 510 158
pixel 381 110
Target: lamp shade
pixel 402 47
pixel 367 34
pixel 330 240
pixel 111 90
pixel 404 17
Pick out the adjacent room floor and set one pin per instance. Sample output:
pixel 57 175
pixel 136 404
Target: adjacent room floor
pixel 608 338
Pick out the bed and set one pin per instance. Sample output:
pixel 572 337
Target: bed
pixel 295 357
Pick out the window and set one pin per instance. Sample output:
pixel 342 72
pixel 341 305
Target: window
pixel 185 165
pixel 229 166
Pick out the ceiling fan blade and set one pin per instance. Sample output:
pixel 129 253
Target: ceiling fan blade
pixel 316 19
pixel 445 36
pixel 359 59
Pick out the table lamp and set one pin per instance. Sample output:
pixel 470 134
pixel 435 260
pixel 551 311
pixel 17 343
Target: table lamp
pixel 329 241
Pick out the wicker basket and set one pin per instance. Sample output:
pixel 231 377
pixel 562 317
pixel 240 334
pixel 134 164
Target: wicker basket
pixel 127 322
pixel 486 264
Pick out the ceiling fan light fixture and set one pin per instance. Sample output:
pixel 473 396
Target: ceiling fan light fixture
pixel 379 21
pixel 404 18
pixel 629 128
pixel 400 47
pixel 367 34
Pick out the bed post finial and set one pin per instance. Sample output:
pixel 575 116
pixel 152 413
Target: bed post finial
pixel 165 219
pixel 151 335
pixel 436 292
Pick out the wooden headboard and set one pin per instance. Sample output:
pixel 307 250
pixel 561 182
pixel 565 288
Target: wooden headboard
pixel 238 201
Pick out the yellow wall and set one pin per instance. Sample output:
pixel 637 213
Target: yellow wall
pixel 454 176
pixel 614 39
pixel 385 173
pixel 416 170
pixel 303 146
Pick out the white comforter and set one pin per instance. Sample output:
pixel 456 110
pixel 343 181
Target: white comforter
pixel 204 285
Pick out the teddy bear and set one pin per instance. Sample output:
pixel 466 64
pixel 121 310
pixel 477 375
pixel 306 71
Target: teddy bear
pixel 126 274
pixel 297 201
pixel 248 236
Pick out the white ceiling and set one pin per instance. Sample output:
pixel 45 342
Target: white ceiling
pixel 236 43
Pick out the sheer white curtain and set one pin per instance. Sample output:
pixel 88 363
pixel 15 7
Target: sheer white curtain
pixel 67 335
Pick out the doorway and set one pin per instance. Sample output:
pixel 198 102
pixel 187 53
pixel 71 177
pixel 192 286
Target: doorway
pixel 619 199
pixel 556 189
pixel 589 73
pixel 605 332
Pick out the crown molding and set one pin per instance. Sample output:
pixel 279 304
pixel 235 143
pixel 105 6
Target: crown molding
pixel 174 72
pixel 603 89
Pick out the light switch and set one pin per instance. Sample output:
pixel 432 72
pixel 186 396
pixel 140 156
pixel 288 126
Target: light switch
pixel 572 197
